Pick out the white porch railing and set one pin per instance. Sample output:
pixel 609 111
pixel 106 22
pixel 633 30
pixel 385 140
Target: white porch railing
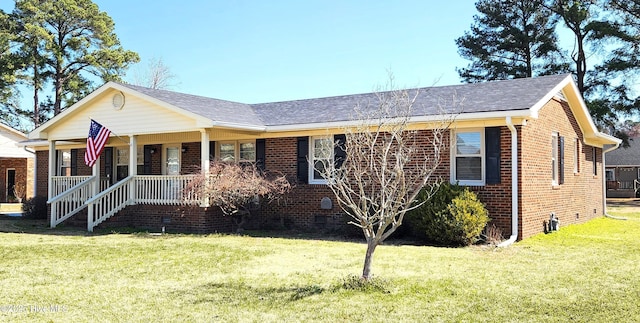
pixel 108 203
pixel 164 190
pixel 71 201
pixel 147 189
pixel 64 183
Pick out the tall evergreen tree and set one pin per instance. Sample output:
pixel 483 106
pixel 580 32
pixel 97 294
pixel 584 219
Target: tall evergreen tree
pixel 79 44
pixel 8 69
pixel 580 17
pixel 618 74
pixel 510 39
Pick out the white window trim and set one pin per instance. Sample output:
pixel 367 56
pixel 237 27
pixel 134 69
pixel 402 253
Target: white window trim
pixel 612 171
pixel 313 180
pixel 555 154
pixel 164 156
pixel 60 158
pixel 236 149
pixel 240 142
pixel 453 155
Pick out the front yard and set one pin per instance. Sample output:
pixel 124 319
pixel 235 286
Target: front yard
pixel 582 273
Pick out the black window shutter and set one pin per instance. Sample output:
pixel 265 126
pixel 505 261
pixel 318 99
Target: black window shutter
pixel 302 163
pixel 492 147
pixel 260 154
pixel 339 151
pixel 108 163
pixel 561 160
pixel 212 150
pixel 74 162
pixel 57 171
pixel 146 168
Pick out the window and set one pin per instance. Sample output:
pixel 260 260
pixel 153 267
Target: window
pixel 468 157
pixel 247 151
pixel 554 159
pixel 64 162
pixel 321 152
pixel 227 152
pixel 122 162
pixel 610 174
pixel 231 151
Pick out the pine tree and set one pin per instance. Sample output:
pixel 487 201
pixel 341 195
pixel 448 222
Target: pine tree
pixel 510 39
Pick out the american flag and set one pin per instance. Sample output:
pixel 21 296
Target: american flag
pixel 98 136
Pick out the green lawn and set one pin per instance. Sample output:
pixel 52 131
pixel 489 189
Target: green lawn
pixel 584 273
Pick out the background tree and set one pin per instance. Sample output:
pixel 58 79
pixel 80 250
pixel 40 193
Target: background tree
pixel 510 39
pixel 7 74
pixel 385 167
pixel 614 96
pixel 79 44
pixel 157 75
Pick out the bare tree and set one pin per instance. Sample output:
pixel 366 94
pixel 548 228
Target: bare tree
pixel 238 188
pixel 387 163
pixel 157 75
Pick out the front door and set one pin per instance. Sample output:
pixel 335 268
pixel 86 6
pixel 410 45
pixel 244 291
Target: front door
pixel 11 184
pixel 172 160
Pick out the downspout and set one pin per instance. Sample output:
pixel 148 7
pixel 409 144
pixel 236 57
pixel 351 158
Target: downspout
pixel 604 183
pixel 514 185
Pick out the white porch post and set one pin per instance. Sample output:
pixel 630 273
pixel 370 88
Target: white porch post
pixel 95 172
pixel 204 160
pixel 133 165
pixel 52 168
pixel 52 172
pixel 204 151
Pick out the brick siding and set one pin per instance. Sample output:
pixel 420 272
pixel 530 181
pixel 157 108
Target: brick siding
pixel 580 198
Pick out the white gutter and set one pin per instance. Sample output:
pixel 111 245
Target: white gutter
pixel 514 185
pixel 604 182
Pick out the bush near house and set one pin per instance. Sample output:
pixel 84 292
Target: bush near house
pixel 35 207
pixel 453 216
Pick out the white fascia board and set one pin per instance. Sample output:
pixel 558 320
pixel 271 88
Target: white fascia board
pixel 418 119
pixel 236 126
pixel 547 97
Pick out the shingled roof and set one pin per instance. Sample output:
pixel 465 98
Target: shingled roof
pixel 508 95
pixel 494 96
pixel 629 156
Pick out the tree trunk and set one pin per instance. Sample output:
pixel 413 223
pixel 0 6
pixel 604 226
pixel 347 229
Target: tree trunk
pixel 36 101
pixel 368 259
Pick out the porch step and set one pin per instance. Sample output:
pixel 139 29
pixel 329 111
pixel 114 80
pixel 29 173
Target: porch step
pixel 10 208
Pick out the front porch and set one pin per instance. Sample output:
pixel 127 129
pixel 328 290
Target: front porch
pixel 133 190
pixel 149 174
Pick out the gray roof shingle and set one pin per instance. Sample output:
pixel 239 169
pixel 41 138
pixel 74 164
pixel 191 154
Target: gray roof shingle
pixel 625 156
pixel 214 109
pixel 494 96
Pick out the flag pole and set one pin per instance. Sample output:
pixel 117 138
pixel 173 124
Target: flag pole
pixel 115 134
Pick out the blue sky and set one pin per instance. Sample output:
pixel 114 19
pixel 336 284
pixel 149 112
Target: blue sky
pixel 263 51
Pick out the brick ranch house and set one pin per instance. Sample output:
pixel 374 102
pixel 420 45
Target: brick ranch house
pixel 535 151
pixel 16 166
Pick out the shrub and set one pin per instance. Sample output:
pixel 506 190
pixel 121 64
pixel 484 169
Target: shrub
pixel 35 207
pixel 468 217
pixel 452 216
pixel 422 220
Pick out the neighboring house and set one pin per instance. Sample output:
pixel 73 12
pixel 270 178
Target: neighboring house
pixel 16 166
pixel 623 170
pixel 537 152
